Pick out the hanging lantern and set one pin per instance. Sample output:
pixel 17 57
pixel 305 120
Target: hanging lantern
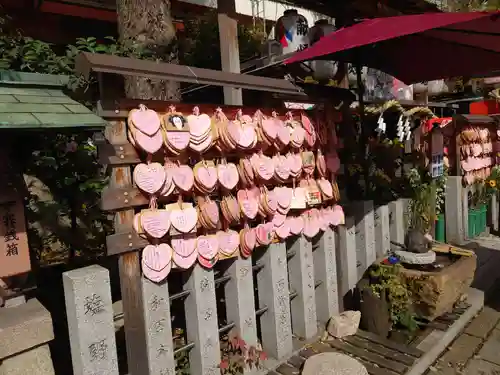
pixel 292 31
pixel 322 69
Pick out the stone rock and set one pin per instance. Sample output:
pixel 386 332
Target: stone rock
pixel 36 361
pixel 345 324
pixel 333 364
pixel 434 293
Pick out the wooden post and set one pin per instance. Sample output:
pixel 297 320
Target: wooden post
pixel 129 266
pixel 229 50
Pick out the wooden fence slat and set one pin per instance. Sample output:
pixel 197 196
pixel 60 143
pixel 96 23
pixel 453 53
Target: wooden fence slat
pixel 87 293
pixel 325 272
pixel 365 235
pixel 158 323
pixel 274 293
pixel 301 276
pixel 201 321
pixel 382 231
pixel 396 223
pixel 346 255
pixel 129 266
pixel 240 300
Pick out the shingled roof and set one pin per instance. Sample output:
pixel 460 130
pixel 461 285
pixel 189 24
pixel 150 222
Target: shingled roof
pixel 37 101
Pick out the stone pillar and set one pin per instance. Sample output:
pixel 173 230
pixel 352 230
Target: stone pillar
pixel 406 213
pixel 25 331
pixel 382 231
pixel 494 213
pixel 89 309
pixel 240 302
pixel 455 217
pixel 325 272
pixel 159 328
pixel 201 321
pixel 346 256
pixel 396 223
pixel 272 283
pixel 365 235
pixel 301 276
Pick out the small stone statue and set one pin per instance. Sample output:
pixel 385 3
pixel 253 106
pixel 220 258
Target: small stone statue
pixel 418 242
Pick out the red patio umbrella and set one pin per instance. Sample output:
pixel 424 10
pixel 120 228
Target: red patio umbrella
pixel 416 48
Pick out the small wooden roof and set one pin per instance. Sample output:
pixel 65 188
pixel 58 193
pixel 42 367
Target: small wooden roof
pixel 37 101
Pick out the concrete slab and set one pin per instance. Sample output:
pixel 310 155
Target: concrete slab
pixel 463 348
pixel 484 323
pixel 491 348
pixel 476 299
pixel 478 367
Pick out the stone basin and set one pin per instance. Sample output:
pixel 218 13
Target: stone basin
pixel 435 292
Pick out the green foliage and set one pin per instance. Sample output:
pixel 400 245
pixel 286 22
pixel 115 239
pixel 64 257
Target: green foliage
pixel 482 191
pixel 386 281
pixel 427 197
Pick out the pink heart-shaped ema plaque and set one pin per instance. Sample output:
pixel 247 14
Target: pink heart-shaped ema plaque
pixel 228 175
pixel 156 223
pixel 207 176
pixel 184 220
pixel 149 143
pixel 185 262
pixel 208 263
pixel 282 167
pixel 282 231
pixel 150 178
pixel 263 234
pixel 269 127
pixel 296 224
pixel 184 245
pixel 199 125
pixel 247 136
pixel 338 216
pixel 234 130
pixel 248 204
pixel 326 187
pixel 333 162
pixel 183 177
pixel 283 196
pixel 250 239
pixel 295 163
pixel 146 121
pixel 283 134
pixel 265 167
pixel 278 219
pixel 155 276
pixel 272 202
pixel 207 246
pixel 311 225
pixel 178 140
pixel 211 211
pixel 157 257
pixel 228 242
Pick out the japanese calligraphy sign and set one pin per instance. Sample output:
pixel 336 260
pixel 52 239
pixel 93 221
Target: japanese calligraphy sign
pixel 14 251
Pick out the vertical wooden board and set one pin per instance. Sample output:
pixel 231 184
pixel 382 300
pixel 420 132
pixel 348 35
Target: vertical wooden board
pixel 229 51
pixel 201 321
pixel 274 293
pixel 129 268
pixel 325 272
pixel 346 256
pixel 87 294
pixel 301 278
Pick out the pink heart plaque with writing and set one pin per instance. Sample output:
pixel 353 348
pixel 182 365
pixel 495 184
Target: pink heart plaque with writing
pixel 207 246
pixel 156 223
pixel 185 262
pixel 248 204
pixel 155 276
pixel 184 245
pixel 228 242
pixel 146 121
pixel 179 140
pixel 183 177
pixel 184 220
pixel 207 176
pixel 150 178
pixel 228 175
pixel 149 143
pixel 157 257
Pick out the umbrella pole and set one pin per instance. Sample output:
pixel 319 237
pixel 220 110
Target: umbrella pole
pixel 363 132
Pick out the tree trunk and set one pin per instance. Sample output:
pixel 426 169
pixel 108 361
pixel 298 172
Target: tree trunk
pixel 149 24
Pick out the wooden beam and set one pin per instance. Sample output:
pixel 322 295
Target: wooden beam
pixel 229 49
